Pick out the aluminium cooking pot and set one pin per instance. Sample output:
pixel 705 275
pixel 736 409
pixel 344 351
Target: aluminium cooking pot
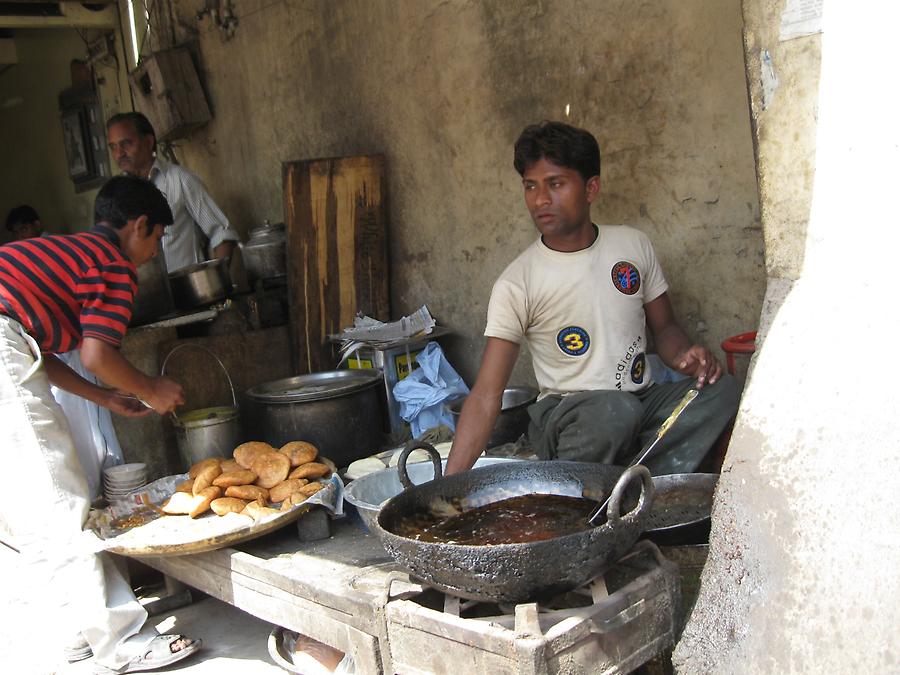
pixel 154 298
pixel 264 253
pixel 519 572
pixel 200 285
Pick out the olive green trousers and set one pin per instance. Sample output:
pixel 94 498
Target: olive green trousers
pixel 611 427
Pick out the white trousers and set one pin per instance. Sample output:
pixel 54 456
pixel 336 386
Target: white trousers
pixel 90 427
pixel 45 503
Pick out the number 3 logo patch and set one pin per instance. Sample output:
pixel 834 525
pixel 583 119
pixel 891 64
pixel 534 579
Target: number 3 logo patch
pixel 573 340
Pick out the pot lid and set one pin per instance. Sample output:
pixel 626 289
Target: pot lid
pixel 315 387
pixel 199 267
pixel 267 231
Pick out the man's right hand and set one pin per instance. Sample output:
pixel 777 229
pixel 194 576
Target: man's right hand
pixel 165 395
pixel 124 404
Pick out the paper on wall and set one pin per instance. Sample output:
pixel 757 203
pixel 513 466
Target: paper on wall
pixel 800 18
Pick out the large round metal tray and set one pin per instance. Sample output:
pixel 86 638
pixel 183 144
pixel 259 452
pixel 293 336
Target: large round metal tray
pixel 181 535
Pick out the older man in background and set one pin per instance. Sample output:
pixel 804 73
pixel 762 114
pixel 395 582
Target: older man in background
pixel 201 231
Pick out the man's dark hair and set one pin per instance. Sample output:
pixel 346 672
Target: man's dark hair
pixel 125 198
pixel 141 124
pixel 21 215
pixel 559 143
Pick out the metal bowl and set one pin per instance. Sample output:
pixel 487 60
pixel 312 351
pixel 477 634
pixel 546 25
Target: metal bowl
pixel 154 298
pixel 369 492
pixel 512 421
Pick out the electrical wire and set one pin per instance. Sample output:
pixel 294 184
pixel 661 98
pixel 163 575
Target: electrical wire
pixel 171 21
pixel 240 17
pixel 125 55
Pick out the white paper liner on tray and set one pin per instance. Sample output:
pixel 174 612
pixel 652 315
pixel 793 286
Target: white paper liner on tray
pixel 161 530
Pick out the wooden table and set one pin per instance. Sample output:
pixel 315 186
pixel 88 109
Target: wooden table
pixel 346 592
pixel 334 590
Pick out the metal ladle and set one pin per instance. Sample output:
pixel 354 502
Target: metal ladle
pixel 640 457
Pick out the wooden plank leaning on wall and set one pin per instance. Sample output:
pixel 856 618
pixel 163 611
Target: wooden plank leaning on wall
pixel 337 251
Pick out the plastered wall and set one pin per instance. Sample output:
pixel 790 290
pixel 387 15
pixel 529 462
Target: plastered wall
pixel 444 88
pixel 801 575
pixel 783 77
pixel 34 169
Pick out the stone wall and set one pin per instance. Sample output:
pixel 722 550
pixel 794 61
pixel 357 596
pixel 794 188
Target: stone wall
pixel 443 89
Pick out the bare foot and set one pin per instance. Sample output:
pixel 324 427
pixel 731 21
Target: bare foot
pixel 180 643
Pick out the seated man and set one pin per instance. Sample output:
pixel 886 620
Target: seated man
pixel 581 297
pixel 24 223
pixel 57 293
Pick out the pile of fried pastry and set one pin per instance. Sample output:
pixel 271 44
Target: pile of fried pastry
pixel 258 477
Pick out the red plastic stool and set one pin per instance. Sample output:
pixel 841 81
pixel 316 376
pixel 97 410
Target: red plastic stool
pixel 745 343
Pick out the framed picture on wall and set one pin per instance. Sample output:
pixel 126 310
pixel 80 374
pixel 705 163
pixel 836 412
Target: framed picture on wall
pixel 84 137
pixel 74 142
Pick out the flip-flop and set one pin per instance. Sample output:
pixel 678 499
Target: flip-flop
pixel 157 654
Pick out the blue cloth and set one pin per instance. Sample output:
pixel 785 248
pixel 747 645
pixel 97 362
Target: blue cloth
pixel 424 391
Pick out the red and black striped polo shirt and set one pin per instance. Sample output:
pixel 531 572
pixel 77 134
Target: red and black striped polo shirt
pixel 66 288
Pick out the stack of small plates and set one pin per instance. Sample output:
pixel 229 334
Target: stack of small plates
pixel 119 480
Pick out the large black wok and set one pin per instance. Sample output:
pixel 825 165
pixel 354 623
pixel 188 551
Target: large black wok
pixel 527 571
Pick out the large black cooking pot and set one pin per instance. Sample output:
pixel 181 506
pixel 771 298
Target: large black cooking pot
pixel 338 411
pixel 527 571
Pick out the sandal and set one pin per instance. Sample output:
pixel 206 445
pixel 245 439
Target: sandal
pixel 157 654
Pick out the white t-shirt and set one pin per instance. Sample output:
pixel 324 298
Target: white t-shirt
pixel 581 313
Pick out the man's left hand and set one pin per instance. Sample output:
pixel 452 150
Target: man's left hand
pixel 698 362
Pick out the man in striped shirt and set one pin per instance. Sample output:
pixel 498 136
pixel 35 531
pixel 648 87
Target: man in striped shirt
pixel 200 231
pixel 58 293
